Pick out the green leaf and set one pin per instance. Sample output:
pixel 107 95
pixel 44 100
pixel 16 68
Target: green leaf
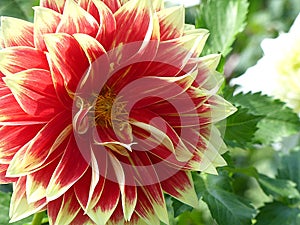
pixel 224 20
pixel 290 167
pixel 241 127
pixel 4 211
pixel 280 121
pixel 18 8
pixel 225 207
pixel 278 188
pixel 276 213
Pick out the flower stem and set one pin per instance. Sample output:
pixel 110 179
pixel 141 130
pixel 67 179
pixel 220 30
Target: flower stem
pixel 37 218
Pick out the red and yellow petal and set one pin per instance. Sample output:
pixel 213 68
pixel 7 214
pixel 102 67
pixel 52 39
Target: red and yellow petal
pixel 64 209
pixel 171 21
pixel 45 21
pixel 76 20
pixel 19 206
pixel 16 32
pixel 57 5
pixel 34 91
pixel 17 59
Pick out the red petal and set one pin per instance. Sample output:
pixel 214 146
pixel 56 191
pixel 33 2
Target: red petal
pixel 16 32
pixel 16 59
pixel 34 91
pixel 64 209
pixel 67 58
pixel 76 20
pixel 171 21
pixel 140 25
pixel 57 5
pixel 45 21
pixel 114 5
pixel 62 179
pixel 34 154
pixel 12 138
pixel 3 178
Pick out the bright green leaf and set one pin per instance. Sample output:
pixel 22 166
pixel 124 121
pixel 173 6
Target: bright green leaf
pixel 276 213
pixel 280 121
pixel 224 20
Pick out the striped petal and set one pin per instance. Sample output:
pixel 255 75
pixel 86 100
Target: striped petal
pixel 63 210
pixel 66 58
pixel 16 32
pixel 140 23
pixel 45 21
pixel 107 203
pixel 76 20
pixel 19 207
pixel 12 138
pixel 3 178
pixel 114 5
pixel 32 155
pixel 17 59
pixel 180 185
pixel 57 5
pixel 171 21
pixel 62 179
pixel 34 91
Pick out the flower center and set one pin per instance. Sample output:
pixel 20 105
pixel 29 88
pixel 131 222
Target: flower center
pixel 109 111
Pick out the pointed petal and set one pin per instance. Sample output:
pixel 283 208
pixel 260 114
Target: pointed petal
pixel 38 181
pixel 180 186
pixel 32 155
pixel 57 5
pixel 171 21
pixel 114 5
pixel 64 209
pixel 82 219
pixel 62 179
pixel 19 207
pixel 16 59
pixel 107 203
pixel 16 32
pixel 3 178
pixel 76 20
pixel 107 23
pixel 34 91
pixel 12 138
pixel 92 48
pixel 45 21
pixel 140 23
pixel 67 58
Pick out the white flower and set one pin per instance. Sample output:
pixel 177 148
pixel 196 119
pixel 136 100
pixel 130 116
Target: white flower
pixel 277 73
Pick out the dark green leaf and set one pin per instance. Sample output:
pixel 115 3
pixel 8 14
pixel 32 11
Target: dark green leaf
pixel 278 188
pixel 241 127
pixel 18 8
pixel 276 213
pixel 224 20
pixel 225 207
pixel 290 167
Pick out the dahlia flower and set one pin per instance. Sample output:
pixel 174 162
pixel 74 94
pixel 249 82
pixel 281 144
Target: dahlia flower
pixel 106 107
pixel 277 73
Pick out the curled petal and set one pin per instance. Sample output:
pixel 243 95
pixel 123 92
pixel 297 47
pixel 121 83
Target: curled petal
pixel 16 32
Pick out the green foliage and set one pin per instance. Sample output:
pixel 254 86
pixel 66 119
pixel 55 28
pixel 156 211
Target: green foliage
pixel 18 8
pixel 224 20
pixel 4 211
pixel 225 207
pixel 277 121
pixel 276 213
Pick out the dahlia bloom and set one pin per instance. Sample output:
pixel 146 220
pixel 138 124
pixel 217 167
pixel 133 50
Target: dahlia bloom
pixel 277 73
pixel 106 107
